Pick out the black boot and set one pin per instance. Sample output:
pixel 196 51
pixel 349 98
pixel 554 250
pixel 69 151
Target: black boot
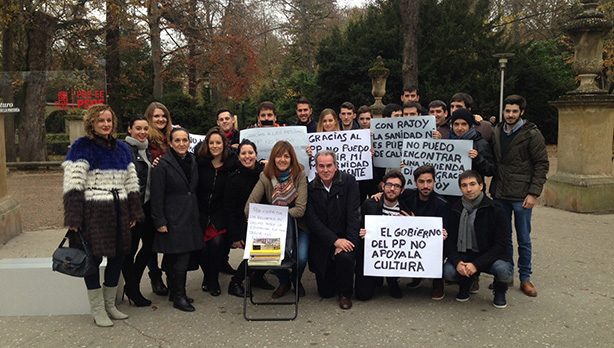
pixel 131 289
pixel 180 300
pixel 500 288
pixel 171 289
pixel 157 285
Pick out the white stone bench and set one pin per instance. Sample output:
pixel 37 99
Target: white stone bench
pixel 29 287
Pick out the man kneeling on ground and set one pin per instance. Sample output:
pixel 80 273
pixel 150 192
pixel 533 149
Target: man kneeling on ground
pixel 477 240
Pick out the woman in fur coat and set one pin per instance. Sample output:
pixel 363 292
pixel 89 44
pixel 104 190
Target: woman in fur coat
pixel 102 200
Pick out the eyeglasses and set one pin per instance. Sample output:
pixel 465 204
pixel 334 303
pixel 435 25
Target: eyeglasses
pixel 391 185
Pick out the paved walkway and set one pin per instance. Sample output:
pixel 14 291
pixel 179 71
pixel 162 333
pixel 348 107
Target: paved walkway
pixel 572 272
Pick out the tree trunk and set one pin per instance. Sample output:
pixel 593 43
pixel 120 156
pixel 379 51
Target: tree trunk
pixel 410 14
pixel 7 92
pixel 113 63
pixel 40 29
pixel 156 51
pixel 192 54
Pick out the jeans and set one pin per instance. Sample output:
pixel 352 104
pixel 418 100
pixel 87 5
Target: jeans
pixel 502 270
pixel 111 273
pixel 303 252
pixel 522 222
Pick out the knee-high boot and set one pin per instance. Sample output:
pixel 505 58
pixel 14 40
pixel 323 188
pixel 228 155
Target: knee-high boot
pixel 109 294
pixel 180 300
pixel 97 308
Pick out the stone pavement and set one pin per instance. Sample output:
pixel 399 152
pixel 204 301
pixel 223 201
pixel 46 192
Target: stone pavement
pixel 572 272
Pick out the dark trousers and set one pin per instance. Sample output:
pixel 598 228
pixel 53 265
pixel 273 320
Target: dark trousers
pixel 111 273
pixel 339 277
pixel 366 285
pixel 134 264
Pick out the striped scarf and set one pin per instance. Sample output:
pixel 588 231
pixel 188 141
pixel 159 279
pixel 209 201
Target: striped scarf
pixel 284 191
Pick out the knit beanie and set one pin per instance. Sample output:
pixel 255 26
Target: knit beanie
pixel 464 114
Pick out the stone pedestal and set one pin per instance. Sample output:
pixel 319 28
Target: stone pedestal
pixel 583 181
pixel 10 212
pixel 74 126
pixel 378 74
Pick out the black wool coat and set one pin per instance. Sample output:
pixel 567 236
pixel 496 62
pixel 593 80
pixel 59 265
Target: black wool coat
pixel 330 216
pixel 210 192
pixel 174 205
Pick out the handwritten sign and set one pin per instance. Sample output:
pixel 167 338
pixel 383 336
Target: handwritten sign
pixel 389 133
pixel 265 138
pixel 353 149
pixel 195 139
pixel 266 221
pixel 449 157
pixel 403 246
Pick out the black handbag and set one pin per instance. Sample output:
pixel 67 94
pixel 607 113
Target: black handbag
pixel 74 262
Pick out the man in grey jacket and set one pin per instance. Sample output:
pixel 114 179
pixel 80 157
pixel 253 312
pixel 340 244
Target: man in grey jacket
pixel 521 168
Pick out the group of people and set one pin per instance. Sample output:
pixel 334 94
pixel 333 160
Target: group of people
pixel 193 207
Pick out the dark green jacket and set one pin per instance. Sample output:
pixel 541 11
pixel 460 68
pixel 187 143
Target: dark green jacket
pixel 522 169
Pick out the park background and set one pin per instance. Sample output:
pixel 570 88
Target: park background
pixel 196 56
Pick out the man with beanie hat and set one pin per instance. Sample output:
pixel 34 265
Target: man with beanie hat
pixel 482 160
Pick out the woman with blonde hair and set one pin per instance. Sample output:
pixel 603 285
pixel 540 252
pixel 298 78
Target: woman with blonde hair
pixel 328 122
pixel 102 201
pixel 284 182
pixel 160 127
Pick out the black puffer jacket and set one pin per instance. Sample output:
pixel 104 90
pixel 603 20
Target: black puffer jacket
pixel 522 169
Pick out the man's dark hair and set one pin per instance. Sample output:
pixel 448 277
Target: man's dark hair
pixel 266 105
pixel 363 109
pixel 424 169
pixel 463 97
pixel 219 111
pixel 515 99
pixel 470 174
pixel 304 100
pixel 390 108
pixel 348 105
pixel 396 174
pixel 410 87
pixel 438 104
pixel 413 104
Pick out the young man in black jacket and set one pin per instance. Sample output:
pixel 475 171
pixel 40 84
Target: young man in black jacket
pixel 388 205
pixel 424 201
pixel 477 240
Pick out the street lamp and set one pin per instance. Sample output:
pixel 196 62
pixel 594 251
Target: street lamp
pixel 502 63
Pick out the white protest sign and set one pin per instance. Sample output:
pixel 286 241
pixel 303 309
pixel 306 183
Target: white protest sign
pixel 403 246
pixel 195 139
pixel 449 157
pixel 266 137
pixel 266 221
pixel 389 133
pixel 353 149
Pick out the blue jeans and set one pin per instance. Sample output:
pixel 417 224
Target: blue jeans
pixel 522 222
pixel 303 252
pixel 502 270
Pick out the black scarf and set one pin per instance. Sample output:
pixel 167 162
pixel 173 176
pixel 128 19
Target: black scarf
pixel 109 143
pixel 185 163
